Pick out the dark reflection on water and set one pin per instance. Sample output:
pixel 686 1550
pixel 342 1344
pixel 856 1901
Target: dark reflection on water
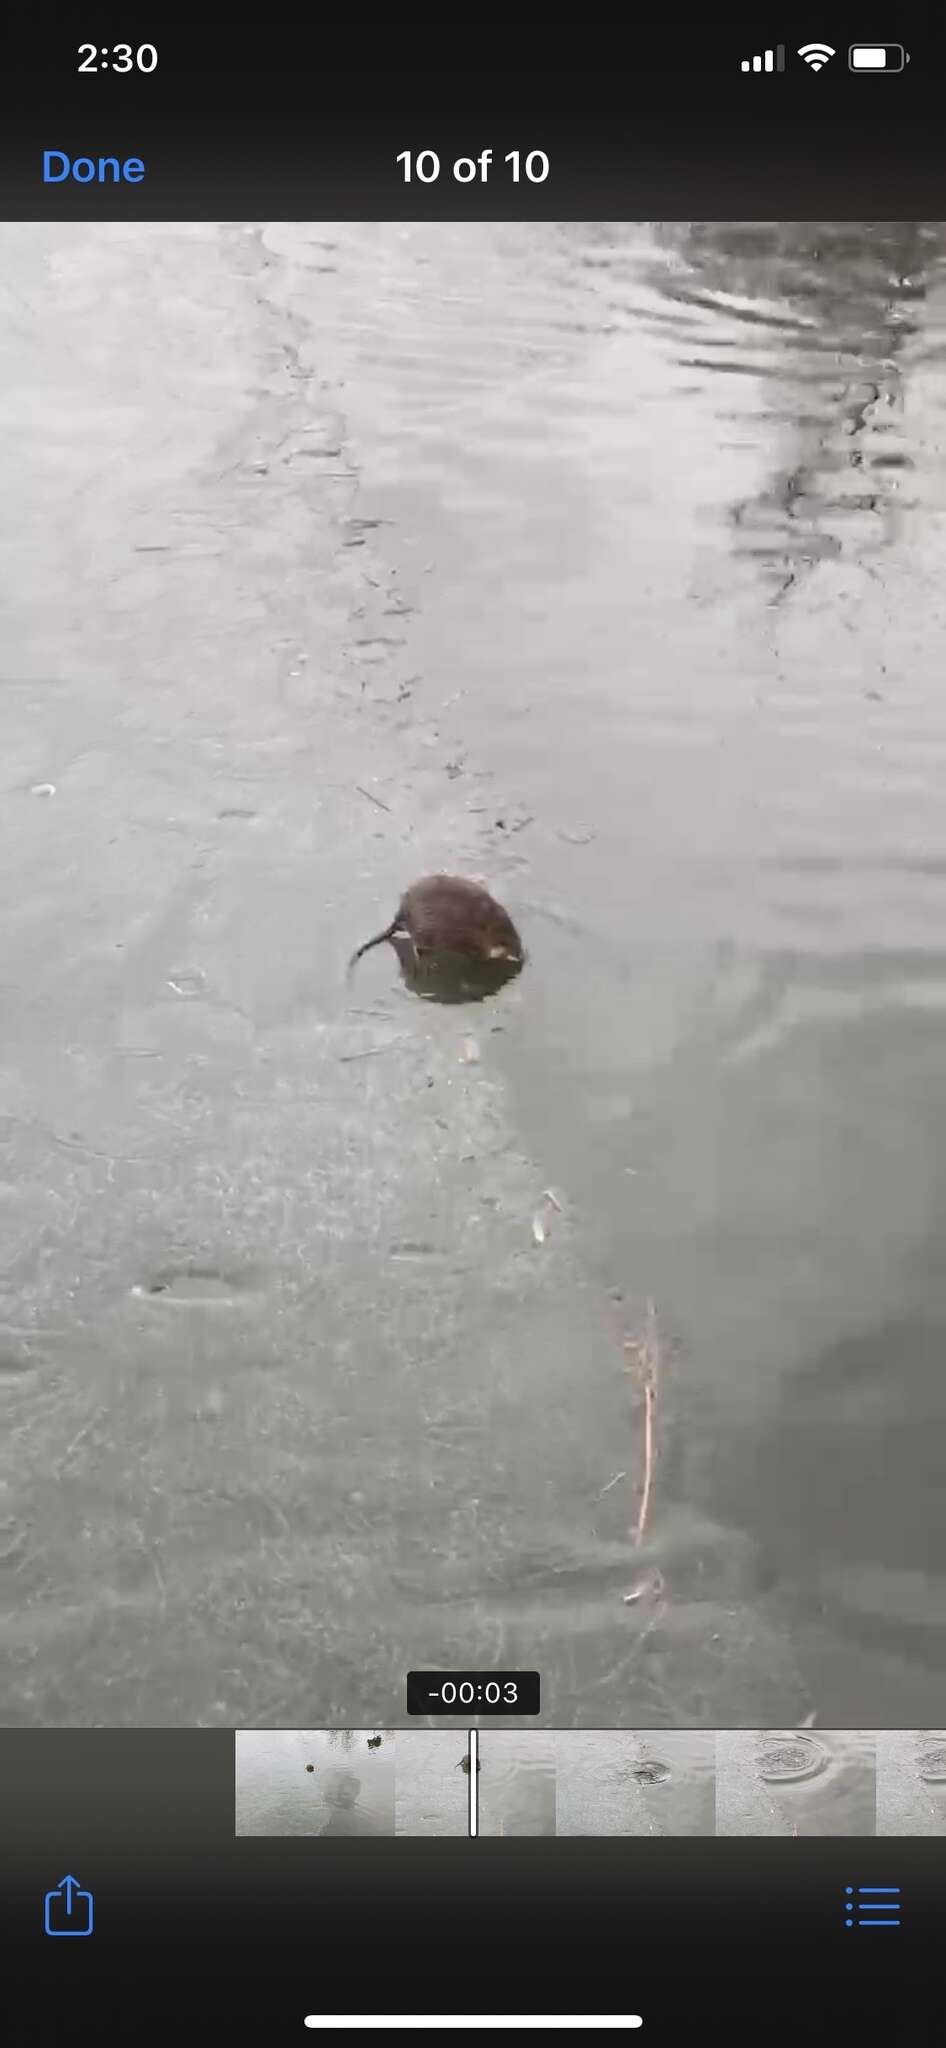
pixel 824 310
pixel 448 977
pixel 340 1794
pixel 860 1429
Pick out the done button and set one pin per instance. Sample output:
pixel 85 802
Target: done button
pixel 91 170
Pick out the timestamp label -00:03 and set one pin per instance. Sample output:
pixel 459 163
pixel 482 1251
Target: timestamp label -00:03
pixel 472 1692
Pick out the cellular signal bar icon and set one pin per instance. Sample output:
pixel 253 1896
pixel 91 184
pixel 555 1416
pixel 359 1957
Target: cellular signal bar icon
pixel 872 1905
pixel 771 60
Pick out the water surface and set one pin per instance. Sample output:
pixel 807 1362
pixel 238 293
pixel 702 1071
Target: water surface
pixel 911 1781
pixel 796 1782
pixel 301 1781
pixel 605 561
pixel 614 1782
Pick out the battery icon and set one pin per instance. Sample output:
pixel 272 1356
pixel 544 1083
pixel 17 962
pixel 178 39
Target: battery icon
pixel 877 57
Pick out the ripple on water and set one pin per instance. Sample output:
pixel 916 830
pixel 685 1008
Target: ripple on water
pixel 931 1761
pixel 784 1759
pixel 651 1772
pixel 207 1285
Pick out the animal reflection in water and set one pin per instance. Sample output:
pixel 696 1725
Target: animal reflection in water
pixel 454 942
pixel 452 977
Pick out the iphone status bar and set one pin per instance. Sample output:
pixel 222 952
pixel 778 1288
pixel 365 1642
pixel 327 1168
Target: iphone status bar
pixel 708 124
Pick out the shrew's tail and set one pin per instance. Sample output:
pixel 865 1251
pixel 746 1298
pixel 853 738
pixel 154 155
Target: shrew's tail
pixel 379 941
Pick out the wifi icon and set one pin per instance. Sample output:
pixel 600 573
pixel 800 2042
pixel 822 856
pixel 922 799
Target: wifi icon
pixel 816 55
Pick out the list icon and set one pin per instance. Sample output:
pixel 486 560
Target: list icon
pixel 872 1905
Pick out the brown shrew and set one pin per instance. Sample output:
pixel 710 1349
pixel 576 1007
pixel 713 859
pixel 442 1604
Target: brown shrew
pixel 446 914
